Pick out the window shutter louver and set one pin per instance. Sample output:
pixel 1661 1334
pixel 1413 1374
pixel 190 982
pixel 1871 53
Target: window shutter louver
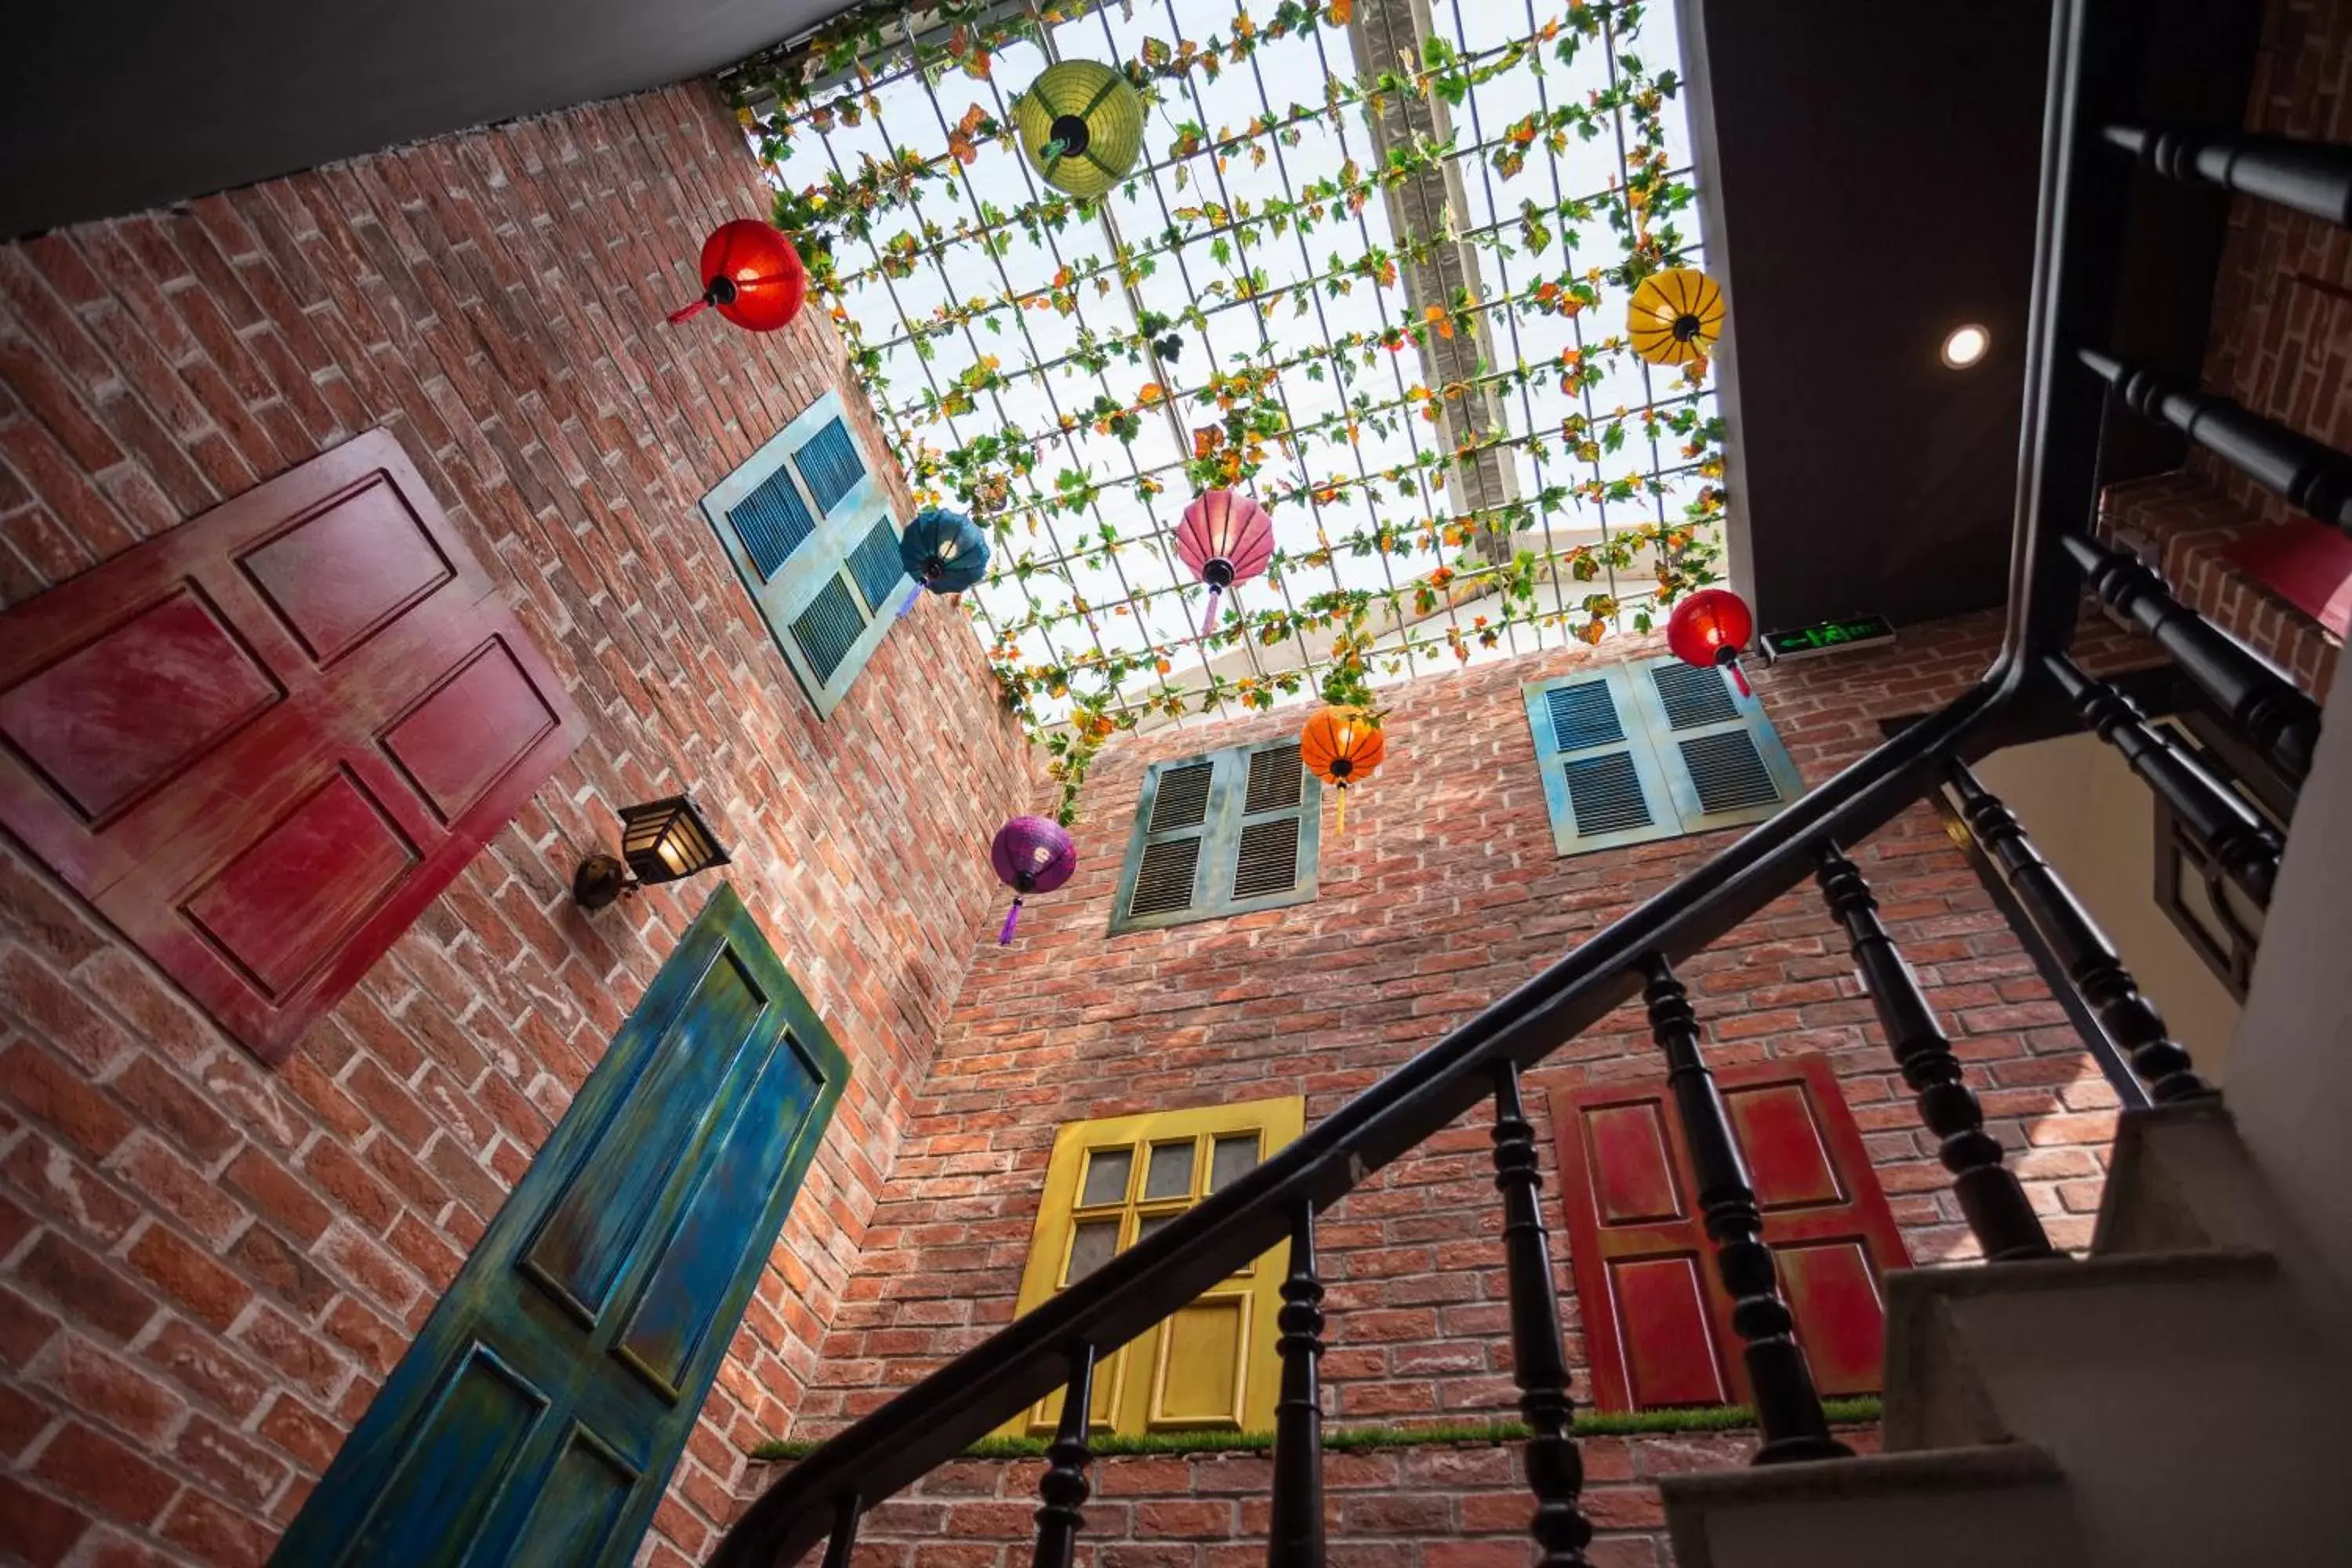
pixel 1724 764
pixel 1231 832
pixel 1603 785
pixel 809 532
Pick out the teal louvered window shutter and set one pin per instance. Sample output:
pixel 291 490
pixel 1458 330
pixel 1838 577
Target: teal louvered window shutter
pixel 1724 761
pixel 1603 785
pixel 807 523
pixel 1224 834
pixel 1632 752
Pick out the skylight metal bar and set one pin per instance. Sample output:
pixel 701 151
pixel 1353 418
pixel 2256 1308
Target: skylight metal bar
pixel 1323 320
pixel 1077 599
pixel 1281 584
pixel 833 157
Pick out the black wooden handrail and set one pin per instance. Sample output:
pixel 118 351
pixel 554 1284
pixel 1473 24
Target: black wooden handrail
pixel 971 1396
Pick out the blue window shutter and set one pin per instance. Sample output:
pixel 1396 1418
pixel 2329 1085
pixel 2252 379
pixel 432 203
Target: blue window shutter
pixel 1724 764
pixel 1603 784
pixel 808 526
pixel 1224 834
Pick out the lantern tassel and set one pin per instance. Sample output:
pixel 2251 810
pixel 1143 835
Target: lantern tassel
pixel 1208 624
pixel 1738 676
pixel 909 607
pixel 1012 918
pixel 694 310
pixel 1339 819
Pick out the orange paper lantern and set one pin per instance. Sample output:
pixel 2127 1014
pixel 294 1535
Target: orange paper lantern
pixel 1341 746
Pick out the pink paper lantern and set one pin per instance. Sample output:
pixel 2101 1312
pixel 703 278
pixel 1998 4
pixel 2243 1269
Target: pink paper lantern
pixel 1225 537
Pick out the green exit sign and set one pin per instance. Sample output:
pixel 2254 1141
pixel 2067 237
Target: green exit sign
pixel 1827 636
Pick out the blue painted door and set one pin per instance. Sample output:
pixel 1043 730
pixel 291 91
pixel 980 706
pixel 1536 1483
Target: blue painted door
pixel 535 1420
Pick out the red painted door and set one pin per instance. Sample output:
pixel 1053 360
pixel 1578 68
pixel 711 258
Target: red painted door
pixel 1657 1323
pixel 262 743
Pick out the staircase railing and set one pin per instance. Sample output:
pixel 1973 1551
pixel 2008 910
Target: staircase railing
pixel 1055 1347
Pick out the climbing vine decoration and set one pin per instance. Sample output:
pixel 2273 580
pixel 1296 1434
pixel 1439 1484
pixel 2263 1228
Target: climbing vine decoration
pixel 1459 447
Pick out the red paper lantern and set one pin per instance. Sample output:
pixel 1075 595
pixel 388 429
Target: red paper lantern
pixel 752 274
pixel 1709 628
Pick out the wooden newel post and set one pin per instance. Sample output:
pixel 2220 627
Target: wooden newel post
pixel 1788 1407
pixel 1555 1469
pixel 1294 1537
pixel 1063 1486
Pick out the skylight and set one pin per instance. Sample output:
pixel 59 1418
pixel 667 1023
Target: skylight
pixel 1377 280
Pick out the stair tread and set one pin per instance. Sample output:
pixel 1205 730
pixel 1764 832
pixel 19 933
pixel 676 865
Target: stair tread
pixel 2198 1263
pixel 1922 1470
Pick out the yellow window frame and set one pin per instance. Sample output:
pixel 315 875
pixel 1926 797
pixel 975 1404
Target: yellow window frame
pixel 1174 1376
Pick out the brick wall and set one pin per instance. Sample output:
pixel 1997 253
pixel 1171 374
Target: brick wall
pixel 207 1268
pixel 2280 343
pixel 1444 893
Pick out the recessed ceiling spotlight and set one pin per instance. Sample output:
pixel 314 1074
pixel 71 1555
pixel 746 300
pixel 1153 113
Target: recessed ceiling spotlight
pixel 1966 346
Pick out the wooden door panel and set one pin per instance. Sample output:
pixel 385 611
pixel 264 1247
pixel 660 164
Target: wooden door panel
pixel 446 1487
pixel 1667 1339
pixel 532 1422
pixel 311 684
pixel 606 1209
pixel 1657 1320
pixel 672 1315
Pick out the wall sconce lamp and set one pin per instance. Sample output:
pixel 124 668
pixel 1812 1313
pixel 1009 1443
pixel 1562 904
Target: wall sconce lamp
pixel 661 841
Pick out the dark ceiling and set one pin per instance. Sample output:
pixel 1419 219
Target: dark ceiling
pixel 108 109
pixel 1869 175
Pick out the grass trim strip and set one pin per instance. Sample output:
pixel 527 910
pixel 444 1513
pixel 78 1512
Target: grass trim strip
pixel 1356 1439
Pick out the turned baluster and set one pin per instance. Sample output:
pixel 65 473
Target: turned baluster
pixel 1997 1208
pixel 1555 1469
pixel 844 1539
pixel 2277 717
pixel 1063 1486
pixel 1295 1539
pixel 2308 473
pixel 2090 960
pixel 1787 1406
pixel 2313 177
pixel 2232 836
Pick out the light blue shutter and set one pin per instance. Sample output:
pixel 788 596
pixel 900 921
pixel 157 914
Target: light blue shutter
pixel 1603 785
pixel 1724 764
pixel 1224 834
pixel 808 526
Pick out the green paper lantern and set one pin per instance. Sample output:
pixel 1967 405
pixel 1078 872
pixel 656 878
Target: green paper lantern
pixel 1082 126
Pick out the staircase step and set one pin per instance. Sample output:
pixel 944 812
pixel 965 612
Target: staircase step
pixel 2189 1394
pixel 1946 1508
pixel 2181 1179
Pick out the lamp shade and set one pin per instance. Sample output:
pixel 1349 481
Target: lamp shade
pixel 664 840
pixel 751 274
pixel 1341 746
pixel 1675 316
pixel 1032 854
pixel 1081 124
pixel 944 550
pixel 1225 536
pixel 1712 627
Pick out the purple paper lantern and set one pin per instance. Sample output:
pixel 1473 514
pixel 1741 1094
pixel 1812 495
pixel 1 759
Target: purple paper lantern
pixel 1032 854
pixel 1225 537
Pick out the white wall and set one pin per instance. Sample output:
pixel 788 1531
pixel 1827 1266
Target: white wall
pixel 2094 821
pixel 2292 1089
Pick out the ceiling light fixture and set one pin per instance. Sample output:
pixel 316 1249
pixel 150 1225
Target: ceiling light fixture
pixel 1966 346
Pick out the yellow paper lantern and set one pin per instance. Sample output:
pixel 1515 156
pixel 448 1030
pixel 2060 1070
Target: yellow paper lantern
pixel 1675 316
pixel 1081 123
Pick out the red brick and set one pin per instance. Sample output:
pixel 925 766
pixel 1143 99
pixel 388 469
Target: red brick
pixel 98 1384
pixel 215 1533
pixel 234 1466
pixel 85 1289
pixel 53 1093
pixel 93 1467
pixel 189 1276
pixel 43 1529
pixel 279 1193
pixel 206 1368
